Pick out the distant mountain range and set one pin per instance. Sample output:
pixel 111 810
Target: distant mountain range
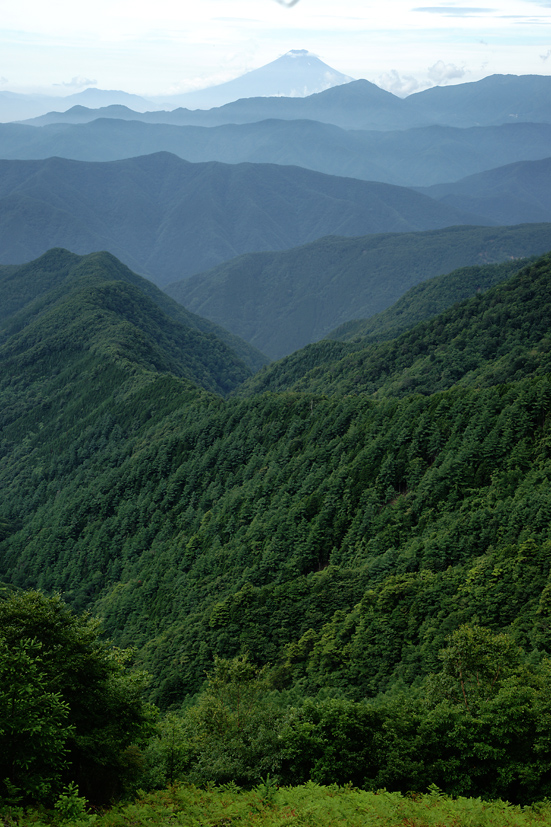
pixel 417 157
pixel 511 194
pixel 497 99
pixel 281 301
pixel 16 106
pixel 355 105
pixel 167 218
pixel 297 73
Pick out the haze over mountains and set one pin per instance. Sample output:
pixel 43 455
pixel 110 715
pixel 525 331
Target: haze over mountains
pixel 511 194
pixel 495 100
pixel 168 218
pixel 341 516
pixel 296 73
pixel 418 157
pixel 281 301
pixel 16 106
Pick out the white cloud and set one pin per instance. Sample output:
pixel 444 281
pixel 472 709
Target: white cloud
pixel 77 82
pixel 443 72
pixel 401 85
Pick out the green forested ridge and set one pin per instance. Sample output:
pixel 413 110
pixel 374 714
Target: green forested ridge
pixel 493 338
pixel 281 301
pixel 370 568
pixel 24 289
pixel 427 299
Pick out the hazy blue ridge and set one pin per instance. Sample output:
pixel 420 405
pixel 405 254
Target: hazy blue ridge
pixel 415 157
pixel 282 301
pixel 167 218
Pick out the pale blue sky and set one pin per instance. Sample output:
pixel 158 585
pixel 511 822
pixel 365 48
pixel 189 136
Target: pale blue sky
pixel 163 47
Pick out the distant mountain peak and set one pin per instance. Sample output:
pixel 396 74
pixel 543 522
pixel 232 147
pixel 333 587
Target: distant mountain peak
pixel 297 73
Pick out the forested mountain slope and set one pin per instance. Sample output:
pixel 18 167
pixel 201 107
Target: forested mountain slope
pixel 167 218
pixel 427 299
pixel 72 316
pixel 495 337
pixel 414 157
pixel 282 301
pixel 24 287
pixel 338 536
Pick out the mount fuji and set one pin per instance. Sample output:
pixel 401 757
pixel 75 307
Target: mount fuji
pixel 296 74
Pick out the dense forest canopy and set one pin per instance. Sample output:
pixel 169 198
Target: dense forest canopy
pixel 362 549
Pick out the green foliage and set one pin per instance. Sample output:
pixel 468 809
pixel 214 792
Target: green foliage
pixel 71 808
pixel 92 308
pixel 332 741
pixel 168 754
pixel 234 728
pixel 310 805
pixel 474 665
pixel 34 727
pixel 87 725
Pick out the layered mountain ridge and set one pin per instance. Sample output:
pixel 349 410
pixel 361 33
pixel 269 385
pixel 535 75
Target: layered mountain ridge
pixel 167 218
pixel 281 301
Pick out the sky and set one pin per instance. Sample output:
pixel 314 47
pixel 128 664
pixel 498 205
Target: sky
pixel 165 47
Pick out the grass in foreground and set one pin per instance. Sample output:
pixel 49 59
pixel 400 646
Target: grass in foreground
pixel 309 805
